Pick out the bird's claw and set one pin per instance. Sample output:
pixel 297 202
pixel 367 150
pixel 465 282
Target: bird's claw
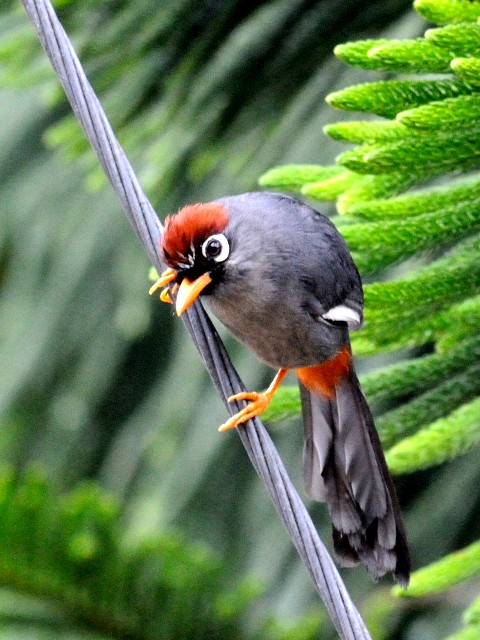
pixel 164 280
pixel 257 405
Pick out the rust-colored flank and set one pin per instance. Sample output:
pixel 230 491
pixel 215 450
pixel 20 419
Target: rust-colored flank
pixel 323 378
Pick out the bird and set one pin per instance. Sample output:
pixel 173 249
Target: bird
pixel 279 276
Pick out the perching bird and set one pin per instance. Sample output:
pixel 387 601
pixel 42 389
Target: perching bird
pixel 280 277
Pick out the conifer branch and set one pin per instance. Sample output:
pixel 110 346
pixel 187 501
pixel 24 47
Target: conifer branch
pixel 441 575
pixel 441 441
pixel 68 551
pixel 448 11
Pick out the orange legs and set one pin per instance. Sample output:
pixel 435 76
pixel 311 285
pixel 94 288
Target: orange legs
pixel 257 405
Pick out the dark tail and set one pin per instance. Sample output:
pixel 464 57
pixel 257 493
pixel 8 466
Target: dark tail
pixel 344 466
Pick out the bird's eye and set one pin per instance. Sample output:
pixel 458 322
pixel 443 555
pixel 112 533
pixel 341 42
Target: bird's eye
pixel 216 248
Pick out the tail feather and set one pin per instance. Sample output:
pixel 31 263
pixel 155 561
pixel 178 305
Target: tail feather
pixel 344 466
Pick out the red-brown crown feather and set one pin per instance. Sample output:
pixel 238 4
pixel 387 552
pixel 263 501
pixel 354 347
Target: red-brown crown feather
pixel 191 226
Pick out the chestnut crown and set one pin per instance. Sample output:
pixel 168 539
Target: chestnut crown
pixel 196 231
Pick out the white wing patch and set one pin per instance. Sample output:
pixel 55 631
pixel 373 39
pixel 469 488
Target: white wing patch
pixel 342 313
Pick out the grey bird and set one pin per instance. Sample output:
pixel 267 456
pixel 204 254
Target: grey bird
pixel 280 277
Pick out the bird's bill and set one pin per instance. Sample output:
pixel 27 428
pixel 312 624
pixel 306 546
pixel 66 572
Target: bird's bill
pixel 189 291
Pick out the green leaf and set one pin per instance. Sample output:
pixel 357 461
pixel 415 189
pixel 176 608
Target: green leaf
pixel 373 186
pixel 334 182
pixel 468 69
pixel 411 55
pixel 461 40
pixel 380 244
pixel 427 156
pixel 420 202
pixel 443 574
pixel 361 131
pixel 449 113
pixel 356 53
pixel 443 440
pixel 459 322
pixel 435 403
pixel 332 188
pixel 414 377
pixel 400 313
pixel 448 11
pixel 387 98
pixel 294 176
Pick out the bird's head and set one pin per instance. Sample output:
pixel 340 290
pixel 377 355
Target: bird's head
pixel 195 248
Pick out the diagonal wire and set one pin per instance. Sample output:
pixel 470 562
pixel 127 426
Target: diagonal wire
pixel 146 225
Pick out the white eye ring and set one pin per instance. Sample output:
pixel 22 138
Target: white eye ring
pixel 216 248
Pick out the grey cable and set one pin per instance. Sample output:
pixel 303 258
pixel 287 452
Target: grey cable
pixel 143 219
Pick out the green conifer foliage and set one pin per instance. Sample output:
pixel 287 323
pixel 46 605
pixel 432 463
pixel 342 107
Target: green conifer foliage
pixel 424 139
pixel 68 552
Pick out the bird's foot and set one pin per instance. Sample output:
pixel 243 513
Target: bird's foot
pixel 257 405
pixel 164 280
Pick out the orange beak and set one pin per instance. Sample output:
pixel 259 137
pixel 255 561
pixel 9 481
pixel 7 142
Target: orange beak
pixel 189 291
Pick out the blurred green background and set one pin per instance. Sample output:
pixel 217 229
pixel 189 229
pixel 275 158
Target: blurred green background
pixel 99 383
